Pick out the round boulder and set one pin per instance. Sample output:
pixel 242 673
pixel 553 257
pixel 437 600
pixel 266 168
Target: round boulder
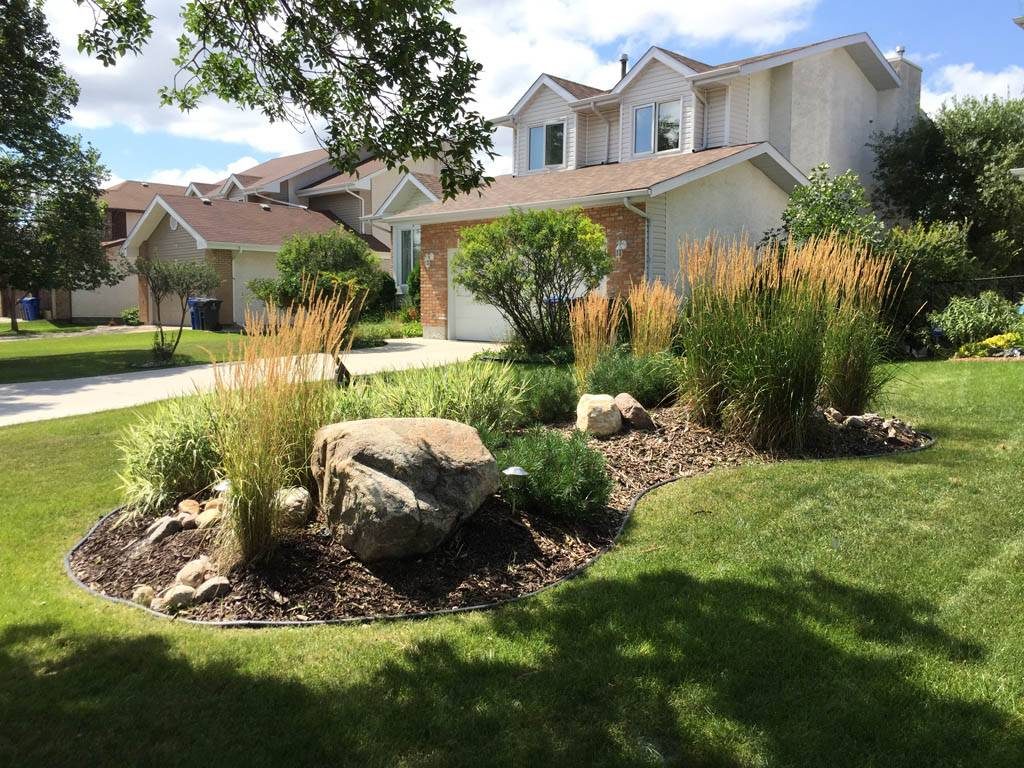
pixel 398 487
pixel 598 415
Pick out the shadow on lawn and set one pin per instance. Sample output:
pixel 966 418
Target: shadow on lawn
pixel 664 669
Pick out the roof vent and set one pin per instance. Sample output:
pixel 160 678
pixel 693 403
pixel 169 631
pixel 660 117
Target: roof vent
pixel 623 64
pixel 900 50
pixel 206 200
pixel 265 206
pixel 145 183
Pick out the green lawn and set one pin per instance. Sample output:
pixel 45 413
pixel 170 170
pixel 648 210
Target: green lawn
pixel 32 327
pixel 42 359
pixel 854 613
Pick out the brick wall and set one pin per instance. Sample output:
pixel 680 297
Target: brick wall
pixel 619 223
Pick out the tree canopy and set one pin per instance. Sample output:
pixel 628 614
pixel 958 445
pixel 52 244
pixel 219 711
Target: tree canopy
pixel 389 78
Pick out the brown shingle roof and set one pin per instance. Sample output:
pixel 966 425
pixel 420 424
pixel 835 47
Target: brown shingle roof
pixel 272 170
pixel 431 182
pixel 207 187
pixel 696 66
pixel 227 221
pixel 136 195
pixel 579 90
pixel 538 188
pixel 363 170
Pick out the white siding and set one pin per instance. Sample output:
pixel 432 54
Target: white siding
pixel 656 83
pixel 599 140
pixel 739 110
pixel 714 120
pixel 657 264
pixel 698 122
pixel 307 179
pixel 545 106
pixel 346 207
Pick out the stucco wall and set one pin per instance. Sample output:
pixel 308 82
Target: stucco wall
pixel 735 202
pixel 899 108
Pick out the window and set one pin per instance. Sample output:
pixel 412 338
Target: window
pixel 407 254
pixel 547 145
pixel 119 224
pixel 643 126
pixel 656 134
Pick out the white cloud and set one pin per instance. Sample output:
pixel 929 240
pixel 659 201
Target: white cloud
pixel 959 80
pixel 184 176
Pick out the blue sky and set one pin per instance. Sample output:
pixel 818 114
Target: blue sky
pixel 965 48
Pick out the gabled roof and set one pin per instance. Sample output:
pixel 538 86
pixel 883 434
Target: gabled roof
pixel 133 195
pixel 221 223
pixel 569 90
pixel 686 61
pixel 341 181
pixel 583 186
pixel 202 188
pixel 280 168
pixel 579 90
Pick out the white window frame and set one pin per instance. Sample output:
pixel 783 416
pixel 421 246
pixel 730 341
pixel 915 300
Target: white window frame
pixel 654 127
pixel 565 144
pixel 401 281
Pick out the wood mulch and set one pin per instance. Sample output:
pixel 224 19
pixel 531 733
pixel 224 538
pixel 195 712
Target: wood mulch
pixel 498 554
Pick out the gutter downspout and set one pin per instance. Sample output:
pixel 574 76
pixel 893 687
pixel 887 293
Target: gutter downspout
pixel 647 233
pixel 607 132
pixel 703 121
pixel 362 209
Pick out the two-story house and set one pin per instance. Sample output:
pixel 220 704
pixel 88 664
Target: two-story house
pixel 239 223
pixel 676 149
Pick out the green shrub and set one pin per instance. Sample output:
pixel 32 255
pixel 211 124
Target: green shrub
pixel 550 394
pixel 169 455
pixel 130 316
pixel 384 292
pixel 528 264
pixel 487 396
pixel 971 319
pixel 412 286
pixel 852 372
pixel 567 478
pixel 991 345
pixel 653 380
pixel 830 206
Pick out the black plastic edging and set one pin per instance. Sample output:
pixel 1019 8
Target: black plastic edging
pixel 258 623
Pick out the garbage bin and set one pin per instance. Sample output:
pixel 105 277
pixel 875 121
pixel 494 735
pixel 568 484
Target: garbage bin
pixel 29 307
pixel 194 314
pixel 208 311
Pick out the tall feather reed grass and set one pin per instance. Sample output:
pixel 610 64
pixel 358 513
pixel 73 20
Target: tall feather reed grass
pixel 268 404
pixel 652 315
pixel 594 325
pixel 768 336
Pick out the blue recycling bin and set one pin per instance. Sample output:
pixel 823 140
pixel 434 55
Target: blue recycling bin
pixel 29 307
pixel 195 313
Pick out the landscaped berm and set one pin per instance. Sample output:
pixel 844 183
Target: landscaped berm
pixel 811 590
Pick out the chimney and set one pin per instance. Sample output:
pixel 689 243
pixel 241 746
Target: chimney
pixel 623 63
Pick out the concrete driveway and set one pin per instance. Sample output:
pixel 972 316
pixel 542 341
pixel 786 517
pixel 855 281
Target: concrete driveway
pixel 40 400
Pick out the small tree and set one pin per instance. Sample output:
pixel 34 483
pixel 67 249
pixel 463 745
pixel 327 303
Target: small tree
pixel 183 279
pixel 332 262
pixel 830 205
pixel 528 264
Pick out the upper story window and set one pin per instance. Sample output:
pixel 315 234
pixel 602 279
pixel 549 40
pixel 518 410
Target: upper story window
pixel 656 127
pixel 547 145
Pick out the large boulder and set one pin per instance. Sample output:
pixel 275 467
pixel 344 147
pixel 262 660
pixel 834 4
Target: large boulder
pixel 598 415
pixel 633 413
pixel 398 487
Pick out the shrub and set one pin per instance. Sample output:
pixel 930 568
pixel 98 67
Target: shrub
pixel 168 456
pixel 383 291
pixel 830 206
pixel 412 286
pixel 267 407
pixel 487 396
pixel 971 319
pixel 762 335
pixel 335 263
pixel 931 260
pixel 594 324
pixel 991 345
pixel 852 372
pixel 550 394
pixel 567 478
pixel 653 311
pixel 529 264
pixel 130 316
pixel 183 279
pixel 653 379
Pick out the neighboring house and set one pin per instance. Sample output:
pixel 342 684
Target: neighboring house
pixel 676 149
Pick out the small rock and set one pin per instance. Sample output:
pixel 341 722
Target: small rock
pixel 833 415
pixel 143 594
pixel 294 506
pixel 157 523
pixel 177 597
pixel 188 521
pixel 189 507
pixel 212 588
pixel 193 573
pixel 217 502
pixel 635 414
pixel 598 415
pixel 209 516
pixel 872 418
pixel 857 422
pixel 166 527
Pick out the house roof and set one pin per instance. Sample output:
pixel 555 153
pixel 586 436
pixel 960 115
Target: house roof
pixel 342 180
pixel 205 188
pixel 431 182
pixel 280 167
pixel 582 185
pixel 579 90
pixel 133 195
pixel 696 66
pixel 222 222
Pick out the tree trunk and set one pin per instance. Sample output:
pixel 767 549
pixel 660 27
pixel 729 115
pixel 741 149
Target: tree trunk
pixel 8 302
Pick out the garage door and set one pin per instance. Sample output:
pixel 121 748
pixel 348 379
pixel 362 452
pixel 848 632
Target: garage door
pixel 472 321
pixel 248 266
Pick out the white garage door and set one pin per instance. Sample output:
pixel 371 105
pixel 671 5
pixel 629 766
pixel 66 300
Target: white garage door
pixel 473 321
pixel 248 266
pixel 106 301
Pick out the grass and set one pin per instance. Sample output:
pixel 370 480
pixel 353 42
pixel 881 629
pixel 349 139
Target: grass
pixel 32 327
pixel 850 613
pixel 42 359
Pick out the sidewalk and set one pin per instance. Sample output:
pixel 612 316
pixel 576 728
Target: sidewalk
pixel 40 400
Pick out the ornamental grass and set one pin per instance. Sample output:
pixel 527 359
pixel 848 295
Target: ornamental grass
pixel 769 336
pixel 594 326
pixel 269 404
pixel 652 314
